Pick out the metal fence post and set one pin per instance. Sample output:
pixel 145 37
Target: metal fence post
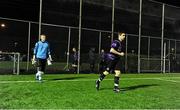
pixel 29 40
pixel 162 37
pixel 68 51
pixel 126 57
pixel 40 17
pixel 139 43
pixel 99 48
pixel 113 8
pixel 175 47
pixel 79 42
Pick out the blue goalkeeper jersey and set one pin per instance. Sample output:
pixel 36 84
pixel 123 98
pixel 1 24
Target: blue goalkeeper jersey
pixel 42 50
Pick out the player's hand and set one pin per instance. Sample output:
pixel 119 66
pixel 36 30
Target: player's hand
pixel 50 58
pixel 49 62
pixel 33 61
pixel 121 54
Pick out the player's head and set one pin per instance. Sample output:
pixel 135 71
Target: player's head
pixel 121 36
pixel 43 37
pixel 74 49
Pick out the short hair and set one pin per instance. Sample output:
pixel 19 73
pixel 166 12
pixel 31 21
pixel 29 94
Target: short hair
pixel 43 35
pixel 120 33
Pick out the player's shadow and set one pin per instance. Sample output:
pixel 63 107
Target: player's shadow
pixel 137 87
pixel 130 88
pixel 65 78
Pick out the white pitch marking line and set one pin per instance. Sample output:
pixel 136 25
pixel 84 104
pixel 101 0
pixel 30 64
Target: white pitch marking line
pixel 16 81
pixel 168 80
pixel 72 80
pixel 156 78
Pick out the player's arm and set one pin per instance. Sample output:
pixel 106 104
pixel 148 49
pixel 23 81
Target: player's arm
pixel 112 50
pixel 49 53
pixel 35 51
pixel 34 54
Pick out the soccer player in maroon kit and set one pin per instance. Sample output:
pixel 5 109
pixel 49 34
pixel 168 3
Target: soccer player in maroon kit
pixel 113 62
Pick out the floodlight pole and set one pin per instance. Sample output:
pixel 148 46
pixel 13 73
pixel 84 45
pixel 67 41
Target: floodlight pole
pixel 40 18
pixel 79 42
pixel 139 42
pixel 162 37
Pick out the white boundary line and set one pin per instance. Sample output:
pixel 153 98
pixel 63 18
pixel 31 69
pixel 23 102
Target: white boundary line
pixel 168 80
pixel 2 82
pixel 155 78
pixel 72 80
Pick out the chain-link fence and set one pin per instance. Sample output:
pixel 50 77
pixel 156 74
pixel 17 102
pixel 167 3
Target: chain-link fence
pixel 60 24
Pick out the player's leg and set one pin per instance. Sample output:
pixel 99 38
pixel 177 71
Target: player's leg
pixel 74 66
pixel 40 65
pixel 76 63
pixel 103 74
pixel 117 77
pixel 75 69
pixel 38 69
pixel 42 68
pixel 102 66
pixel 37 74
pixel 116 80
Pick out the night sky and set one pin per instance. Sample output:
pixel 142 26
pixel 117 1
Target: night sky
pixel 29 9
pixel 20 9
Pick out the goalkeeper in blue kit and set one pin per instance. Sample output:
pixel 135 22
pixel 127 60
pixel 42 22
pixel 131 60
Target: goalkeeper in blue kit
pixel 41 55
pixel 113 62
